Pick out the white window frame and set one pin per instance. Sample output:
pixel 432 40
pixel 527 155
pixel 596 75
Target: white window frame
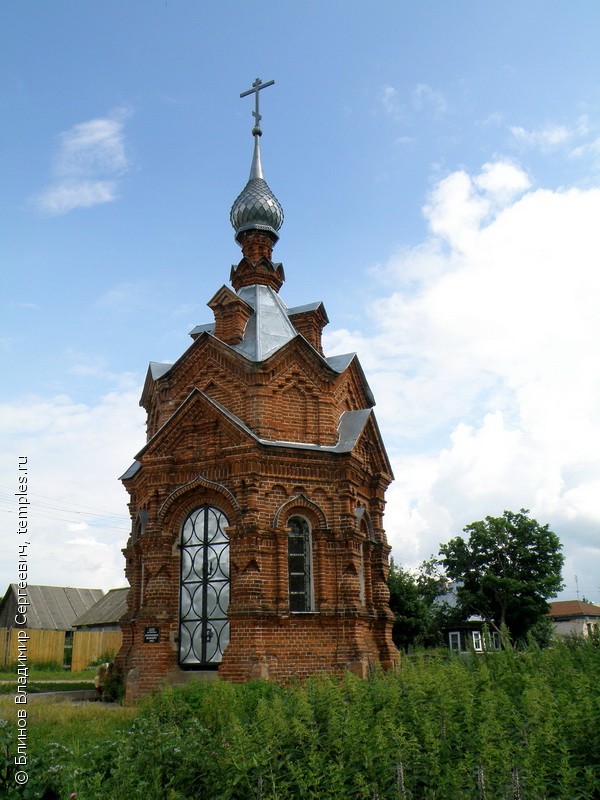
pixel 477 641
pixel 454 639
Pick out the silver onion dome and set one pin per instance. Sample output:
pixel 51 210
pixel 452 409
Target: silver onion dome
pixel 256 207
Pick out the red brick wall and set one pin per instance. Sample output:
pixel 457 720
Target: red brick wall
pixel 196 455
pixel 290 397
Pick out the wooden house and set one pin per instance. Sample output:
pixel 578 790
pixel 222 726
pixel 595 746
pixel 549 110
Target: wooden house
pixel 51 612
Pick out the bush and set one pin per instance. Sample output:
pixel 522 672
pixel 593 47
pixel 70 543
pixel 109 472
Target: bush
pixel 495 725
pixel 114 684
pixel 104 658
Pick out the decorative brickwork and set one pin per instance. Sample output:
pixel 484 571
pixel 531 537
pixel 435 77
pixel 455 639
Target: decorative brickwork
pixel 253 434
pixel 207 451
pixel 310 324
pixel 261 272
pixel 231 315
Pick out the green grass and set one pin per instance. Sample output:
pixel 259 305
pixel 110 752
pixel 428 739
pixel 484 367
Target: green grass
pixel 523 724
pixel 69 724
pixel 38 673
pixel 48 686
pixel 45 679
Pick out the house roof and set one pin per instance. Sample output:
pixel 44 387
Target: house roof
pixel 573 608
pixel 107 611
pixel 53 607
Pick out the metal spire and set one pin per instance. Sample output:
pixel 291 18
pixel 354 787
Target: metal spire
pixel 256 207
pixel 256 87
pixel 256 166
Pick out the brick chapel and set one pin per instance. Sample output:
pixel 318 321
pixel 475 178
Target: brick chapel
pixel 257 545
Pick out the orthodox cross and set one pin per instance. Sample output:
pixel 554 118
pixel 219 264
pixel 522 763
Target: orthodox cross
pixel 256 87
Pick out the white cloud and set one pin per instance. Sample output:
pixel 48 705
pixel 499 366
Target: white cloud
pixel 76 526
pixel 554 135
pixel 91 159
pixel 591 148
pixel 78 517
pixel 422 100
pixel 577 141
pixel 92 147
pixel 86 366
pixel 502 182
pixel 63 197
pixel 486 370
pixel 546 138
pixel 390 101
pixel 495 119
pixel 460 203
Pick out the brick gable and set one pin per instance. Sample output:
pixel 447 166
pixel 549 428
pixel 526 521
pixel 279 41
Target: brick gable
pixel 257 545
pixel 204 455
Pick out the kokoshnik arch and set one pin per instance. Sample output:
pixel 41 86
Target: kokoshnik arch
pixel 257 545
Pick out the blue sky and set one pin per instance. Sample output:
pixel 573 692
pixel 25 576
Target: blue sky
pixel 439 169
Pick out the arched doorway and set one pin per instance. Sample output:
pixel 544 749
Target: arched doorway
pixel 204 588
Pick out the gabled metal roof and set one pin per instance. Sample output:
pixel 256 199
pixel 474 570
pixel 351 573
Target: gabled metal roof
pixel 107 611
pixel 340 363
pixel 350 427
pixel 130 472
pixel 308 307
pixel 268 328
pixel 53 607
pixel 160 368
pixel 208 328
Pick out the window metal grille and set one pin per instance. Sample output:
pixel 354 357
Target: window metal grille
pixel 204 588
pixel 299 565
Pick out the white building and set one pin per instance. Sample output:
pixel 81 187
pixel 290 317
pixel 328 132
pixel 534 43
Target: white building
pixel 574 617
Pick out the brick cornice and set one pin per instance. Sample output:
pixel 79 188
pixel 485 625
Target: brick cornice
pixel 262 272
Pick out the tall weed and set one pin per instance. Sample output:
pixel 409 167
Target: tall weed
pixel 492 726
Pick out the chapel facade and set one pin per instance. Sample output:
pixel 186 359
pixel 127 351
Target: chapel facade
pixel 257 546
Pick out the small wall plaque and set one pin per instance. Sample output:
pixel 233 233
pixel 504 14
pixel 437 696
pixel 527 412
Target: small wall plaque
pixel 151 635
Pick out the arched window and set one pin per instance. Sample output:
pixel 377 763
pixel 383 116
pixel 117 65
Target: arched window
pixel 361 574
pixel 204 588
pixel 299 565
pixel 139 526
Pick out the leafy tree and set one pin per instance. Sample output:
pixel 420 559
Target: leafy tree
pixel 420 617
pixel 542 633
pixel 409 609
pixel 506 570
